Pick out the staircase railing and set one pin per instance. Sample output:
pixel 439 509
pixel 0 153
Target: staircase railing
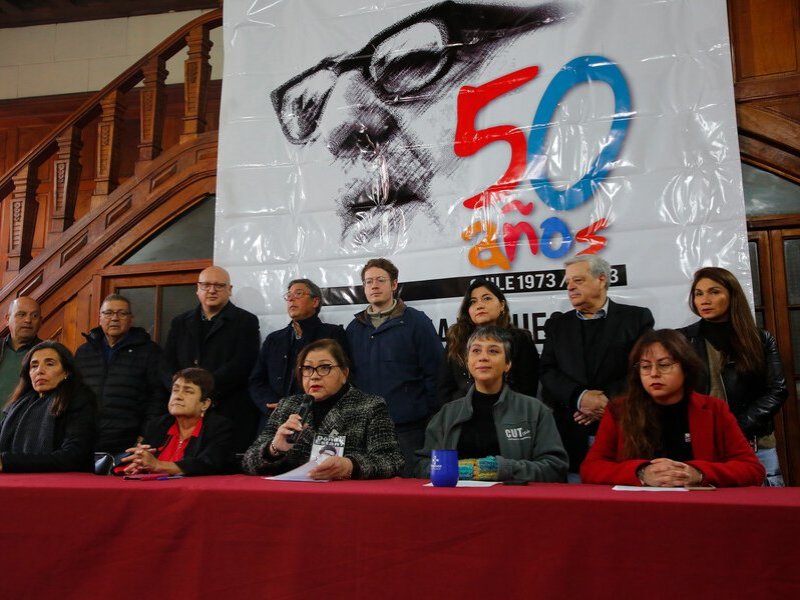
pixel 106 108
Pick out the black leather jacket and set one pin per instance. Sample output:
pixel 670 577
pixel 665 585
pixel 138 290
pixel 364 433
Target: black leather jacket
pixel 753 400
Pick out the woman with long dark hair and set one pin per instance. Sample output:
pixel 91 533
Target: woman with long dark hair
pixel 485 304
pixel 742 364
pixel 49 419
pixel 664 434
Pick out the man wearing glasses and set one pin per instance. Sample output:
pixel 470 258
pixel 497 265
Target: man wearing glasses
pixel 584 362
pixel 384 116
pixel 273 375
pixel 396 354
pixel 121 365
pixel 223 339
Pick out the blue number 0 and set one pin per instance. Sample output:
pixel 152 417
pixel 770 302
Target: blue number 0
pixel 582 69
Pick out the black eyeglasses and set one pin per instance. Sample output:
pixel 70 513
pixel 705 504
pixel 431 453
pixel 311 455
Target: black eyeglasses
pixel 404 59
pixel 321 370
pixel 115 313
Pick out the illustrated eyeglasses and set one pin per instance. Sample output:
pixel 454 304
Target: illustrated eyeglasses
pixel 662 366
pixel 404 59
pixel 206 286
pixel 297 295
pixel 321 370
pixel 120 314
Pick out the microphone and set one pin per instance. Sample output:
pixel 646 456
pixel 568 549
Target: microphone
pixel 303 411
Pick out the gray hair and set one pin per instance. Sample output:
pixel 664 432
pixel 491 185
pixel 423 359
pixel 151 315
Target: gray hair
pixel 492 333
pixel 313 289
pixel 117 298
pixel 597 266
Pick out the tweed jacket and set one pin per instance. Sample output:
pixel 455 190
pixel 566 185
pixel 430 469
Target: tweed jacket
pixel 370 442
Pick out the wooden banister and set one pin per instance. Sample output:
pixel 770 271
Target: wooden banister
pixel 63 145
pixel 122 84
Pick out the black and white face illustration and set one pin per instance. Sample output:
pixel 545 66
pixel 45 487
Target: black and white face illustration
pixel 385 115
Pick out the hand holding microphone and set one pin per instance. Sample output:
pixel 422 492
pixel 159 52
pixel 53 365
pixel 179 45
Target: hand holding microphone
pixel 287 434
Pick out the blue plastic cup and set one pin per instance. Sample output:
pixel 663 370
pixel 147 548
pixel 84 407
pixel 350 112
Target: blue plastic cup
pixel 444 468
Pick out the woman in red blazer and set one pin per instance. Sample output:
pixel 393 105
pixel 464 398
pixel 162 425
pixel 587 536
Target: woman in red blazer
pixel 662 433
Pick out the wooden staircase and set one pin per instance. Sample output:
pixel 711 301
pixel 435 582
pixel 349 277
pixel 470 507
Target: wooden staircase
pixel 134 195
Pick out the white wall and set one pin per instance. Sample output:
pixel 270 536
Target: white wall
pixel 45 60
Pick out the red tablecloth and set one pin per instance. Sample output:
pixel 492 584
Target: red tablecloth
pixel 71 536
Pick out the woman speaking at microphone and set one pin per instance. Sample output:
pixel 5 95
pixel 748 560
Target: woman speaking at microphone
pixel 333 407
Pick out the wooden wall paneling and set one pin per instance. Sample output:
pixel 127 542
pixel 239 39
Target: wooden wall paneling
pixel 763 155
pixel 770 307
pixel 764 33
pixel 101 243
pixel 768 123
pixel 5 154
pixel 790 414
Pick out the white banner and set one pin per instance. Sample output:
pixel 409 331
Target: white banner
pixel 463 139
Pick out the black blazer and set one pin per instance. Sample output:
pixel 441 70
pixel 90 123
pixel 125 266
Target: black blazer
pixel 564 375
pixel 211 453
pixel 228 351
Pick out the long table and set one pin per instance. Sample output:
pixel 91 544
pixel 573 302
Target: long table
pixel 84 536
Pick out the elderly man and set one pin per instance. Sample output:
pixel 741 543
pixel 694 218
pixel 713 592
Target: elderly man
pixel 273 376
pixel 584 361
pixel 222 338
pixel 396 354
pixel 121 365
pixel 23 320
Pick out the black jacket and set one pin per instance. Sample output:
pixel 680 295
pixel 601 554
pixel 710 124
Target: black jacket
pixel 564 374
pixel 228 351
pixel 273 377
pixel 753 400
pixel 455 380
pixel 211 453
pixel 73 439
pixel 128 388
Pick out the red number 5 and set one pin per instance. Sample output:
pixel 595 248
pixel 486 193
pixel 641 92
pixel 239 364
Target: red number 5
pixel 469 140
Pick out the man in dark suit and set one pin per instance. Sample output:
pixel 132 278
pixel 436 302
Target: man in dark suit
pixel 223 339
pixel 584 361
pixel 273 376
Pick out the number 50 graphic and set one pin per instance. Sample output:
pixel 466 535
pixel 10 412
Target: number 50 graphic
pixel 530 153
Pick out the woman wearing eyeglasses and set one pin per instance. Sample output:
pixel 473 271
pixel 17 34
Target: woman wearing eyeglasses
pixel 664 434
pixel 742 362
pixel 371 450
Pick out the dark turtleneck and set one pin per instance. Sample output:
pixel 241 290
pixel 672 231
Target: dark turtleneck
pixel 321 408
pixel 676 441
pixel 719 334
pixel 479 435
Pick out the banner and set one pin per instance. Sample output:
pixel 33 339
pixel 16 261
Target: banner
pixel 464 139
